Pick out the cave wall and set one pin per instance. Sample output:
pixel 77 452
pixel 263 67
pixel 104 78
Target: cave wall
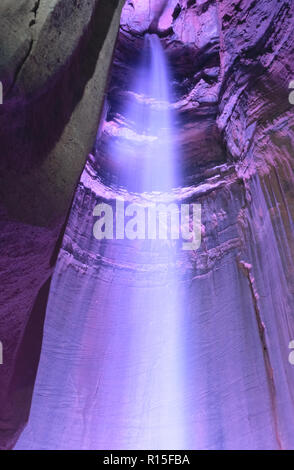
pixel 191 39
pixel 54 63
pixel 233 63
pixel 256 120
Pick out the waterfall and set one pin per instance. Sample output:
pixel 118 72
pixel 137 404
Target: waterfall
pixel 150 127
pixel 111 369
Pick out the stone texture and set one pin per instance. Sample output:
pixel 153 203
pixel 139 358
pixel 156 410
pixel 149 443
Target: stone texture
pixel 190 36
pixel 54 63
pixel 233 62
pixel 256 120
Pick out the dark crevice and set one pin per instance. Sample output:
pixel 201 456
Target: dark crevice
pixel 176 11
pixel 36 7
pixel 246 269
pixel 19 69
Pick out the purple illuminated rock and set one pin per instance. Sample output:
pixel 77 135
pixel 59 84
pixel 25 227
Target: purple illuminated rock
pixel 232 63
pixel 97 386
pixel 191 42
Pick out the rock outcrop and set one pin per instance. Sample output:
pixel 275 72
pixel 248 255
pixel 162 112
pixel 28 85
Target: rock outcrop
pixel 54 63
pixel 190 36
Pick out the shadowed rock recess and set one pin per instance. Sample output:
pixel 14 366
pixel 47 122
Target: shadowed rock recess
pixel 231 64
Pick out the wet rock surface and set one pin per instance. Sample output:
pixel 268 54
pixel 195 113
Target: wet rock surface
pixel 232 64
pixel 191 39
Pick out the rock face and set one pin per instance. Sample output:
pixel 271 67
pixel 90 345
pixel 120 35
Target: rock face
pixel 190 36
pixel 54 63
pixel 99 377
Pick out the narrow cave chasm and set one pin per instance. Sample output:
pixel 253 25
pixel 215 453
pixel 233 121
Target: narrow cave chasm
pixel 148 345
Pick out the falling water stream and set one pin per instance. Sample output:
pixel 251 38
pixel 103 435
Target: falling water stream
pixel 111 369
pixel 151 130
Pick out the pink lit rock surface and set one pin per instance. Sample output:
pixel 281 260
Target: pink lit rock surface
pixel 107 333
